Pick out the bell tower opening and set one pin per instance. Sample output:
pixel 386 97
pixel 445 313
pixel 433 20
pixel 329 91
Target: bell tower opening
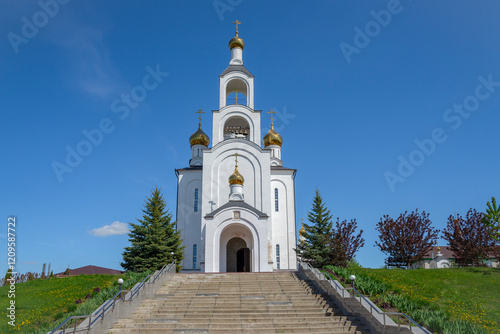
pixel 235 98
pixel 236 127
pixel 236 92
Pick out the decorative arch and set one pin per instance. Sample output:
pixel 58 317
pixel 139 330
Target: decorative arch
pixel 243 230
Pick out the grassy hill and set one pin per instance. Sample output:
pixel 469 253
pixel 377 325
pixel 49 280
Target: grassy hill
pixel 462 296
pixel 43 303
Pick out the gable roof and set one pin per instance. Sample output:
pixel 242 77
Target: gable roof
pixel 232 68
pixel 237 204
pixel 91 270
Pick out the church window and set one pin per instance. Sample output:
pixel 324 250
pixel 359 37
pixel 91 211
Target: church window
pixel 276 202
pixel 196 200
pixel 277 256
pixel 194 256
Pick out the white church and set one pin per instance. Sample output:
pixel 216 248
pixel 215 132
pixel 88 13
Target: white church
pixel 236 201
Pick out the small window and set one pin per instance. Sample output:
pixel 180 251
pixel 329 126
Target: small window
pixel 194 256
pixel 278 256
pixel 196 200
pixel 276 202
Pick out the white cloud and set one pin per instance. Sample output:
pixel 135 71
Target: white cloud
pixel 116 228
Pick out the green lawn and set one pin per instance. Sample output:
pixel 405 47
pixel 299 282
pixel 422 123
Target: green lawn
pixel 469 294
pixel 39 301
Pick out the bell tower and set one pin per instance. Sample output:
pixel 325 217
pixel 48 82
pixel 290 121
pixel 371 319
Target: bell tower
pixel 236 117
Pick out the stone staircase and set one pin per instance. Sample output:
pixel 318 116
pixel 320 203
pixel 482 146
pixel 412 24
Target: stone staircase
pixel 233 303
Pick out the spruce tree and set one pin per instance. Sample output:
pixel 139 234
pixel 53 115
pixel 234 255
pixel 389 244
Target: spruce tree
pixel 153 238
pixel 316 247
pixel 492 219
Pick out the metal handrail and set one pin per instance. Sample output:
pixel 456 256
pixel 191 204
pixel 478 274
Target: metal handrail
pixel 398 314
pixel 112 302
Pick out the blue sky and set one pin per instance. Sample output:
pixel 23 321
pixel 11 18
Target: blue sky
pixel 385 106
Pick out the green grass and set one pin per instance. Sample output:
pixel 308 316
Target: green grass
pixel 458 300
pixel 42 304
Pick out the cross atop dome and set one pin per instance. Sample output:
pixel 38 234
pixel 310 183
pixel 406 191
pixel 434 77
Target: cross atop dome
pixel 236 22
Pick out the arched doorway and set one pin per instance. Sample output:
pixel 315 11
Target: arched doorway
pixel 237 256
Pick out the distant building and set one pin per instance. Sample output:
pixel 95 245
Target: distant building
pixel 443 257
pixel 91 270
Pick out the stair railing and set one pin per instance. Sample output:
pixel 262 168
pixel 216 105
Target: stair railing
pixel 168 269
pixel 320 276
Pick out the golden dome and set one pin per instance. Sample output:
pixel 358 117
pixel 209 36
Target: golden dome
pixel 199 138
pixel 236 42
pixel 272 138
pixel 302 230
pixel 236 177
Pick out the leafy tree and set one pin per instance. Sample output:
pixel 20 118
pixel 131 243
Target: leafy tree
pixel 153 238
pixel 315 246
pixel 407 239
pixel 344 243
pixel 492 219
pixel 469 238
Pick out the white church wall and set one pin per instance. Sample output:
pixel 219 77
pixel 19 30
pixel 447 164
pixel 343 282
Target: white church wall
pixel 284 223
pixel 189 221
pixel 252 164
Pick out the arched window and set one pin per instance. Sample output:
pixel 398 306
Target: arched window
pixel 276 202
pixel 194 256
pixel 196 200
pixel 277 256
pixel 236 127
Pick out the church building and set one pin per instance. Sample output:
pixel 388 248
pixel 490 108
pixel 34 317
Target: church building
pixel 236 201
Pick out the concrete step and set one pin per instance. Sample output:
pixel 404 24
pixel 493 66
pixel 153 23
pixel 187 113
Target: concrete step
pixel 261 303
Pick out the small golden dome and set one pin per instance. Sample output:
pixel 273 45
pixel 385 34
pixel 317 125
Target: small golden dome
pixel 199 138
pixel 438 249
pixel 302 230
pixel 236 42
pixel 272 138
pixel 236 177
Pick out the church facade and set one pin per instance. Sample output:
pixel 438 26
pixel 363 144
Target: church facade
pixel 236 201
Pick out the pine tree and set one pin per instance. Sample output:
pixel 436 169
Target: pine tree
pixel 316 248
pixel 153 238
pixel 492 219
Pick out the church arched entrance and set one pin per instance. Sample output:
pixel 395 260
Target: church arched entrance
pixel 237 256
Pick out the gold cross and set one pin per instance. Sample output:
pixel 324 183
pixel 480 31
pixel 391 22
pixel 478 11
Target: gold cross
pixel 199 112
pixel 272 112
pixel 236 97
pixel 236 158
pixel 236 22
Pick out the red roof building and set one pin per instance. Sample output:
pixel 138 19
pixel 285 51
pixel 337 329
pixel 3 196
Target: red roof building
pixel 91 270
